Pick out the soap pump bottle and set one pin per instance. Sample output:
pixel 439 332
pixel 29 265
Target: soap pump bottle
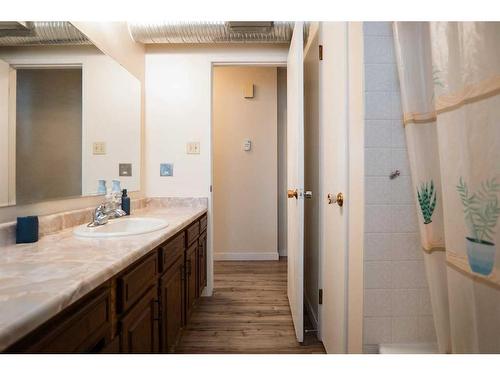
pixel 125 202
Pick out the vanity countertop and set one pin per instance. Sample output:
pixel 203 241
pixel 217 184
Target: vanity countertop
pixel 39 280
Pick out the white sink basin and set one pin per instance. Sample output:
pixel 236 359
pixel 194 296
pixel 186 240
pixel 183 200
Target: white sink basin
pixel 127 226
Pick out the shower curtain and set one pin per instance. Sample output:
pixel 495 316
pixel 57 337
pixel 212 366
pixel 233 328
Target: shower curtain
pixel 449 75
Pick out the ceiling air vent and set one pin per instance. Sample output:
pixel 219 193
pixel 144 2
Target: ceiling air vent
pixel 250 26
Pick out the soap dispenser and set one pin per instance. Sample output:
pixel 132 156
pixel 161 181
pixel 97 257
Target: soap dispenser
pixel 125 202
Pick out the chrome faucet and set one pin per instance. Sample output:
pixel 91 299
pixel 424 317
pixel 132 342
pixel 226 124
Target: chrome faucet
pixel 107 210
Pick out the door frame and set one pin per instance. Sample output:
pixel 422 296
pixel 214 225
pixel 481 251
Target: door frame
pixel 231 61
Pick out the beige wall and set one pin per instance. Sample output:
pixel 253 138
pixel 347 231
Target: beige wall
pixel 245 182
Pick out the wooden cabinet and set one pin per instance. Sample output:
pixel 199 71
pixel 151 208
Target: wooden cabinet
pixel 139 327
pixel 192 291
pixel 82 328
pixel 202 262
pixel 172 291
pixel 142 309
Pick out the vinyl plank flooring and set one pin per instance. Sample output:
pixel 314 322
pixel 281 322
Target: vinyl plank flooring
pixel 248 313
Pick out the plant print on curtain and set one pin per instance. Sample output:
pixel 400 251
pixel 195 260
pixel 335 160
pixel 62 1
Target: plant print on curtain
pixel 427 200
pixel 481 210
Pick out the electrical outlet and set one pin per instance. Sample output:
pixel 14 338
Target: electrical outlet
pixel 193 148
pixel 99 148
pixel 125 169
pixel 166 169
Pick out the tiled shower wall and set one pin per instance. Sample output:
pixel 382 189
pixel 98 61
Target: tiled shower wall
pixel 396 297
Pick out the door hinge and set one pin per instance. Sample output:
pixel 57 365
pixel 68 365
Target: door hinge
pixel 320 296
pixel 320 52
pixel 210 188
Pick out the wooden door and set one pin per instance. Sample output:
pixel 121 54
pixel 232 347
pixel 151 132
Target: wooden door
pixel 139 327
pixel 295 177
pixel 172 305
pixel 202 262
pixel 191 278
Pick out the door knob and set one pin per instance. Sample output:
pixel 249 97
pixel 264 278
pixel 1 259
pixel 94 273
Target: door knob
pixel 308 194
pixel 292 193
pixel 339 199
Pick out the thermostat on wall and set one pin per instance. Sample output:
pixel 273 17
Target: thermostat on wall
pixel 247 145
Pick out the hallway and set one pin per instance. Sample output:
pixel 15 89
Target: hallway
pixel 248 313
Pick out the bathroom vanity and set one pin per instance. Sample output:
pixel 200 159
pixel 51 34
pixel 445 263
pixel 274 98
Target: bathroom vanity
pixel 140 307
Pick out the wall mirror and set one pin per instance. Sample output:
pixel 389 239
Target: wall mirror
pixel 70 115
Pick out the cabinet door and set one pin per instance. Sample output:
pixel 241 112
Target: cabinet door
pixel 172 304
pixel 191 277
pixel 202 262
pixel 139 328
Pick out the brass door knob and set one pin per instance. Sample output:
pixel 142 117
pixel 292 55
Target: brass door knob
pixel 339 199
pixel 292 193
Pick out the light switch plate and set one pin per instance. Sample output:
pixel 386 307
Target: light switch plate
pixel 166 169
pixel 247 145
pixel 193 148
pixel 99 148
pixel 125 169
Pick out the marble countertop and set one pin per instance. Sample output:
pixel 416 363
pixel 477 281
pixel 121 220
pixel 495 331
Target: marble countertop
pixel 39 280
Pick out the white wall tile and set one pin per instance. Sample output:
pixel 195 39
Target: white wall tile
pixel 404 218
pixel 377 330
pixel 426 329
pixel 406 246
pixel 377 190
pixel 408 274
pixel 378 161
pixel 405 329
pixel 402 190
pixel 400 161
pixel 378 219
pixel 377 28
pixel 378 246
pixel 379 49
pixel 381 77
pixel 396 110
pixel 378 133
pixel 377 275
pixel 378 105
pixel 398 136
pixel 405 302
pixel 377 302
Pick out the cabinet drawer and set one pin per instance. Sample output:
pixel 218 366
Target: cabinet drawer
pixel 203 223
pixel 193 231
pixel 77 331
pixel 136 280
pixel 171 251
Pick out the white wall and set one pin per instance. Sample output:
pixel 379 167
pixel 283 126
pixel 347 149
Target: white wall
pixel 178 110
pixel 396 297
pixel 110 109
pixel 245 206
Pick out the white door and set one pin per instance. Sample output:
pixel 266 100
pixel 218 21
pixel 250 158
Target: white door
pixel 342 117
pixel 295 176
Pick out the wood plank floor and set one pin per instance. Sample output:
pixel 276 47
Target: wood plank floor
pixel 248 313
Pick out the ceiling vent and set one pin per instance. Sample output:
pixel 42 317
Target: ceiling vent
pixel 211 32
pixel 16 33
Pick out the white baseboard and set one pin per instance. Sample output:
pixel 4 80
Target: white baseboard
pixel 310 313
pixel 247 256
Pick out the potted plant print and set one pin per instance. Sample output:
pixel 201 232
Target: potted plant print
pixel 481 210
